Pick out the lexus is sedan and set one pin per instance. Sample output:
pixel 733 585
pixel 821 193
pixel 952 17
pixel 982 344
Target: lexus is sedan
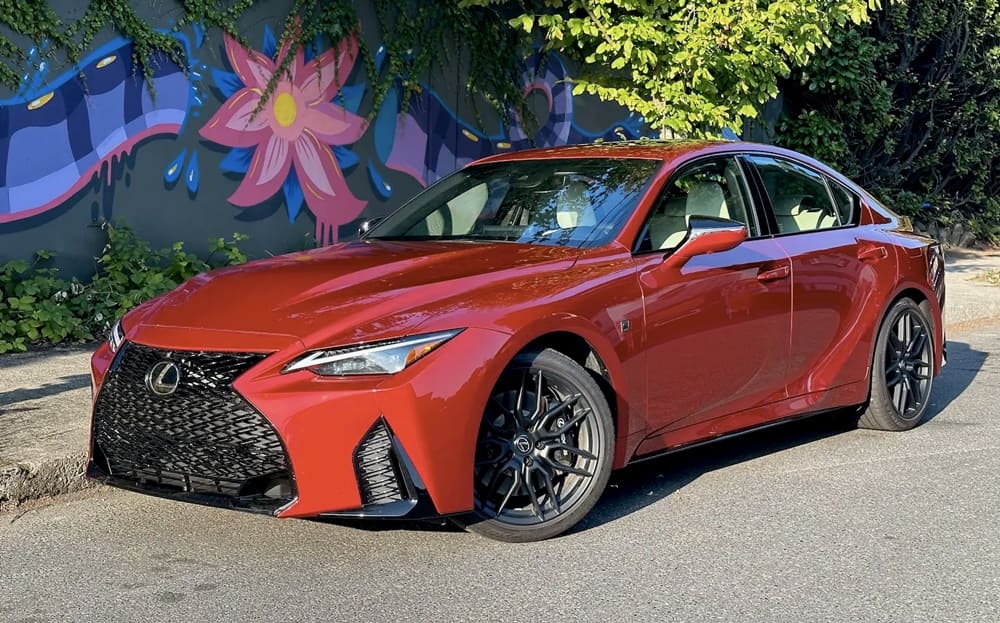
pixel 492 350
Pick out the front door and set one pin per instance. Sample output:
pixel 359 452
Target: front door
pixel 717 330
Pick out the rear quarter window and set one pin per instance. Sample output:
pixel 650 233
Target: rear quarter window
pixel 847 203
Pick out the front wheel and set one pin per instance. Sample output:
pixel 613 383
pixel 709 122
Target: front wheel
pixel 544 451
pixel 902 369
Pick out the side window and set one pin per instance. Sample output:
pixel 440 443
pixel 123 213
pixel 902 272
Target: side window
pixel 799 196
pixel 848 204
pixel 708 188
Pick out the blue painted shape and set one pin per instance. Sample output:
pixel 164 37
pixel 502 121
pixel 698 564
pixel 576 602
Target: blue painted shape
pixel 191 176
pixel 382 188
pixel 227 82
pixel 199 34
pixel 270 48
pixel 350 97
pixel 173 171
pixel 237 160
pixel 730 135
pixel 59 134
pixel 31 150
pixel 384 127
pixel 293 195
pixel 312 50
pixel 346 158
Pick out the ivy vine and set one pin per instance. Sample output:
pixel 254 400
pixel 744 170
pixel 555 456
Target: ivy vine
pixel 416 36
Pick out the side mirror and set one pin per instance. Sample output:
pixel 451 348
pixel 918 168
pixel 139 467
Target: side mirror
pixel 707 234
pixel 368 224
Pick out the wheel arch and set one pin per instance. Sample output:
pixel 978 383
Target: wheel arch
pixel 924 297
pixel 584 343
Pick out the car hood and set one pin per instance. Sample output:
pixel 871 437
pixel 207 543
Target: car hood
pixel 351 291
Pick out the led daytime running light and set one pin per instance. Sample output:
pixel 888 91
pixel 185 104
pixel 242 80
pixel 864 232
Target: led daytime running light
pixel 418 345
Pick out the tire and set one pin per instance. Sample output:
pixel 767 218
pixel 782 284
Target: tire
pixel 544 452
pixel 902 369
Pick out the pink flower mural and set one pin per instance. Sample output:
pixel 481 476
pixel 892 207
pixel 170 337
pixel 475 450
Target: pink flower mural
pixel 287 144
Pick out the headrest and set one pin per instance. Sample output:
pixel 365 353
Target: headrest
pixel 707 199
pixel 793 205
pixel 574 208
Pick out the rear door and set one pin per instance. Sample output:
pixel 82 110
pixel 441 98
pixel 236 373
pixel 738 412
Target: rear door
pixel 835 268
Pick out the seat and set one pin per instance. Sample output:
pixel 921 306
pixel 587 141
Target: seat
pixel 794 215
pixel 573 207
pixel 457 217
pixel 828 221
pixel 787 211
pixel 668 227
pixel 707 199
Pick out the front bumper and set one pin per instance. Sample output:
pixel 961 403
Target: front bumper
pixel 392 446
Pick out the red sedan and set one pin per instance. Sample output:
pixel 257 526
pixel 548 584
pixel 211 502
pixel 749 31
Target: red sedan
pixel 498 345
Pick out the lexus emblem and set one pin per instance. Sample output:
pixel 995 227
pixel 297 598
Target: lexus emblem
pixel 163 378
pixel 522 444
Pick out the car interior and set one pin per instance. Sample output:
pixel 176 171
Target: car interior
pixel 712 189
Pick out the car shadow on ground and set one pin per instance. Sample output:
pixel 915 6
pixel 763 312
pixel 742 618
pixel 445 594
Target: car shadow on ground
pixel 58 386
pixel 964 364
pixel 642 484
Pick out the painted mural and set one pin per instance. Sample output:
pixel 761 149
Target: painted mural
pixel 287 144
pixel 59 132
pixel 62 135
pixel 428 141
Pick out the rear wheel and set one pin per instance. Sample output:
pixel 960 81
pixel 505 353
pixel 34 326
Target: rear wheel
pixel 902 369
pixel 544 451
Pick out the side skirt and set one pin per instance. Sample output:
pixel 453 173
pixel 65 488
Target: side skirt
pixel 730 435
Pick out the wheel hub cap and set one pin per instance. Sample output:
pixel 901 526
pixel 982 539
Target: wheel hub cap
pixel 523 444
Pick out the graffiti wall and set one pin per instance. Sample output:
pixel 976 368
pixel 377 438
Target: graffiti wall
pixel 199 155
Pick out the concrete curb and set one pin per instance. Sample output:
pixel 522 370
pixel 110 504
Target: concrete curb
pixel 22 482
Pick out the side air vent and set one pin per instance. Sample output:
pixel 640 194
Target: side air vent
pixel 376 467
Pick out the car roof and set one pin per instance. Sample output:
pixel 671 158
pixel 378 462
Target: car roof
pixel 650 149
pixel 673 151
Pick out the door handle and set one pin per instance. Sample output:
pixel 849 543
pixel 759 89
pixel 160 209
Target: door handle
pixel 774 274
pixel 872 252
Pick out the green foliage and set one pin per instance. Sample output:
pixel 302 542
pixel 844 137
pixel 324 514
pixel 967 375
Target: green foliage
pixel 909 106
pixel 37 306
pixel 689 67
pixel 36 23
pixel 416 35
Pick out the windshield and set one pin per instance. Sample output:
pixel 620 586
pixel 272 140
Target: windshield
pixel 568 202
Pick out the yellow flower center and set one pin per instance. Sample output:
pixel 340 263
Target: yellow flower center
pixel 284 109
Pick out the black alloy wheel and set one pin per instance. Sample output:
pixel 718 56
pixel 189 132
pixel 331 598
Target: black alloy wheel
pixel 544 450
pixel 902 369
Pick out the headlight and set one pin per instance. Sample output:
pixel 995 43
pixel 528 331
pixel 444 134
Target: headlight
pixel 386 357
pixel 116 337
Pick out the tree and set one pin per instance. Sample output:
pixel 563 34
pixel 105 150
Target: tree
pixel 689 66
pixel 909 106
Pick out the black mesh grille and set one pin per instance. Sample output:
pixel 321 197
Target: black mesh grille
pixel 376 467
pixel 203 438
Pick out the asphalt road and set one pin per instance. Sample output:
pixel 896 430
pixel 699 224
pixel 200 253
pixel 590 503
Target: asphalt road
pixel 809 522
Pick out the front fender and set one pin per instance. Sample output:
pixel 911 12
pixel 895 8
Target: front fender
pixel 622 358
